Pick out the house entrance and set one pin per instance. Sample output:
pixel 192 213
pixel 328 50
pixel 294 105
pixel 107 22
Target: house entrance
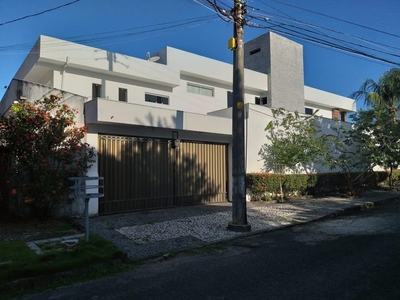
pixel 145 173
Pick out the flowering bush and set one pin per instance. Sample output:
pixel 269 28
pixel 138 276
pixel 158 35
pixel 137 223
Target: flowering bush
pixel 47 149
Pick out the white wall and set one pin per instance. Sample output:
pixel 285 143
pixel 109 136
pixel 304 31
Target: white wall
pixel 190 102
pixel 259 116
pixel 206 68
pixel 322 112
pixel 80 82
pixel 71 55
pixel 328 100
pixel 104 111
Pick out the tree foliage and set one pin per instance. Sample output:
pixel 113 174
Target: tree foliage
pixel 347 155
pixel 372 139
pixel 47 149
pixel 295 141
pixel 379 130
pixel 354 149
pixel 381 122
pixel 382 94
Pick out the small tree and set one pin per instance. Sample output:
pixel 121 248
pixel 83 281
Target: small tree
pixel 373 139
pixel 47 149
pixel 347 155
pixel 295 141
pixel 379 133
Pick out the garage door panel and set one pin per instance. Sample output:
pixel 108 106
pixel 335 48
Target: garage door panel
pixel 141 173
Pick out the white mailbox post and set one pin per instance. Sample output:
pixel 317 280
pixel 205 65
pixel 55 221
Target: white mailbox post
pixel 80 192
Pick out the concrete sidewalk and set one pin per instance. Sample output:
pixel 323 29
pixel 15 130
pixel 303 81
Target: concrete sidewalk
pixel 154 233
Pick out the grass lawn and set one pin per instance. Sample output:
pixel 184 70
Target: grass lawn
pixel 22 270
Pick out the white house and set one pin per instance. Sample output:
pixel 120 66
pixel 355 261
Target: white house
pixel 162 126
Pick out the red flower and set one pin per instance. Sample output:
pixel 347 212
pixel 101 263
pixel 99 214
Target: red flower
pixel 14 192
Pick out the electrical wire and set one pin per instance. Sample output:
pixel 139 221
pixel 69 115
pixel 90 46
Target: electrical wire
pixel 336 39
pixel 268 14
pixel 289 26
pixel 338 19
pixel 321 42
pixel 39 13
pixel 116 34
pixel 314 36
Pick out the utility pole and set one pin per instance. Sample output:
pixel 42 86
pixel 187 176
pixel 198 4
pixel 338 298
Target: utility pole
pixel 239 213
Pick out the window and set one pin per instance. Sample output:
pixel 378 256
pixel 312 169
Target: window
pixel 122 94
pixel 229 99
pixel 200 90
pixel 252 52
pixel 156 99
pixel 261 100
pixel 308 111
pixel 343 116
pixel 96 91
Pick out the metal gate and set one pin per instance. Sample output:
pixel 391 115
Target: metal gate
pixel 144 173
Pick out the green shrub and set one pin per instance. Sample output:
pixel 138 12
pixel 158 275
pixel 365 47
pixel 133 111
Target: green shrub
pixel 261 183
pixel 385 177
pixel 266 186
pixel 396 176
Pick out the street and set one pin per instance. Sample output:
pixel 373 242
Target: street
pixel 355 256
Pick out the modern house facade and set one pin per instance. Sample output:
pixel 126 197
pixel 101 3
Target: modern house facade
pixel 162 125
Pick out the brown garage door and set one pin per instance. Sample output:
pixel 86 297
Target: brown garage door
pixel 143 173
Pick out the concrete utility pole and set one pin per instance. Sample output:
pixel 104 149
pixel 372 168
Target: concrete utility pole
pixel 239 213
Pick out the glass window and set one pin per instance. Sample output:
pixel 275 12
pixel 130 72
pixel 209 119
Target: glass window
pixel 200 90
pixel 261 100
pixel 122 94
pixel 343 116
pixel 156 99
pixel 309 111
pixel 96 91
pixel 229 98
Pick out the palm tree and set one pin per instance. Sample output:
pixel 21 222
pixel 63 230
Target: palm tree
pixel 382 94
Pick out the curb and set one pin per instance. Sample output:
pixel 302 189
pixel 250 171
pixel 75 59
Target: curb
pixel 365 205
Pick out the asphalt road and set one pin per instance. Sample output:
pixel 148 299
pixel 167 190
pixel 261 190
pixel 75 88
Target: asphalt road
pixel 356 256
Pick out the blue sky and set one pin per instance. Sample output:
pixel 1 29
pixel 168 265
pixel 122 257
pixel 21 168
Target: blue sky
pixel 134 27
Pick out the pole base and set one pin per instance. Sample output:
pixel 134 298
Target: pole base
pixel 239 227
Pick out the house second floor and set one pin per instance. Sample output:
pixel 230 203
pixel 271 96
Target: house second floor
pixel 170 78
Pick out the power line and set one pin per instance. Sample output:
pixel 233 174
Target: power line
pixel 282 28
pixel 328 29
pixel 118 34
pixel 39 13
pixel 336 39
pixel 338 19
pixel 324 43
